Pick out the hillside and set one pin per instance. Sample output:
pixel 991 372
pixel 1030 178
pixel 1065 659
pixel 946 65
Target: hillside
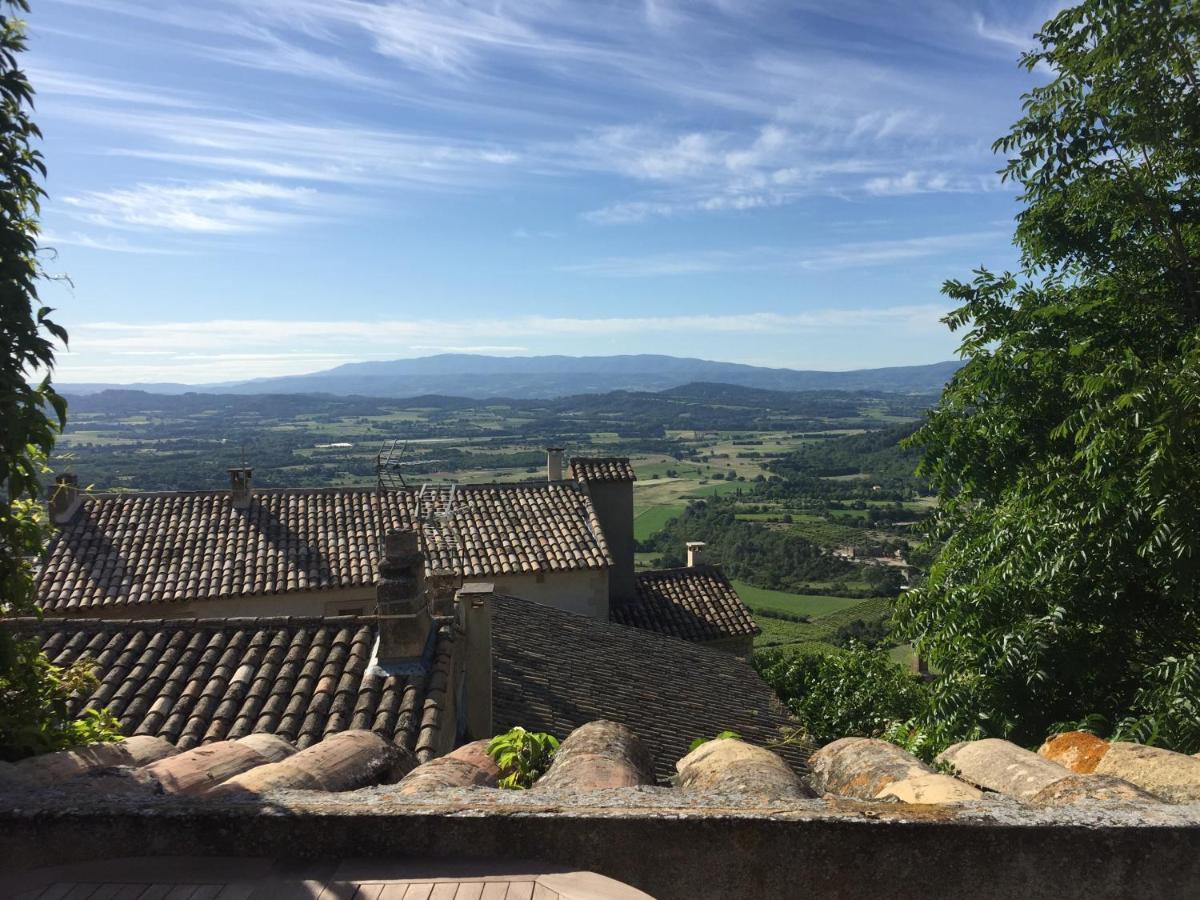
pixel 534 377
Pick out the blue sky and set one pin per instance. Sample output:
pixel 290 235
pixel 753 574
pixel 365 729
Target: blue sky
pixel 242 188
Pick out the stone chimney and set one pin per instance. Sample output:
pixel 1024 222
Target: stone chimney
pixel 473 616
pixel 65 498
pixel 695 553
pixel 554 463
pixel 239 486
pixel 403 610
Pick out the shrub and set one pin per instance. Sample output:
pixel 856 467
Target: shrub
pixel 855 693
pixel 523 756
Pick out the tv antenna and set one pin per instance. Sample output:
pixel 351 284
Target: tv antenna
pixel 389 466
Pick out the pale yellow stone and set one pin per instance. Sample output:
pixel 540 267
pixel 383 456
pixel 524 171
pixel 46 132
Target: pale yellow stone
pixel 732 765
pixel 1001 766
pixel 934 788
pixel 861 767
pixel 1174 777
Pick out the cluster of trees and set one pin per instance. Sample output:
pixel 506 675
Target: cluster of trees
pixel 1064 590
pixel 761 556
pixel 881 453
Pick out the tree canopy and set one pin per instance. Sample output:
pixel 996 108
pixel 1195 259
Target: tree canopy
pixel 1066 452
pixel 33 692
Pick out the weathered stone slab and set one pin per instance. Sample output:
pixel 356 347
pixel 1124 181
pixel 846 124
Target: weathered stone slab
pixel 733 766
pixel 467 766
pixel 998 765
pixel 861 767
pixel 934 788
pixel 598 755
pixel 342 762
pixel 50 768
pixel 272 747
pixel 1077 750
pixel 1088 788
pixel 1174 777
pixel 201 769
pixel 12 776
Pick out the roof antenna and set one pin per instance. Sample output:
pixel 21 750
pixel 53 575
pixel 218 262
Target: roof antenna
pixel 389 462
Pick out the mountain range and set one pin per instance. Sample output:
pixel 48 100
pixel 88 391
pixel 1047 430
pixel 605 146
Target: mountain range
pixel 536 377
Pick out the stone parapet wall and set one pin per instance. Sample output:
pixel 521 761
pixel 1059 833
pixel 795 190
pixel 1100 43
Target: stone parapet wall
pixel 669 843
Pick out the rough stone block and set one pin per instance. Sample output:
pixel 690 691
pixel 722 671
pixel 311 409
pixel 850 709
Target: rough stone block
pixel 1077 750
pixel 467 766
pixel 861 767
pixel 998 765
pixel 598 755
pixel 50 768
pixel 934 788
pixel 342 762
pixel 1088 788
pixel 201 769
pixel 733 766
pixel 1172 776
pixel 272 747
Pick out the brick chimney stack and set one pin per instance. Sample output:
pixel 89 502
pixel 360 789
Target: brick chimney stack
pixel 473 613
pixel 554 463
pixel 404 620
pixel 239 486
pixel 64 498
pixel 695 553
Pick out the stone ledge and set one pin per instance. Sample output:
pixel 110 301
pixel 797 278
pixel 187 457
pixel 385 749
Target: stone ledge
pixel 654 839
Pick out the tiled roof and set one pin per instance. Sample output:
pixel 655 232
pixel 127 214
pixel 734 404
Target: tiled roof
pixel 602 468
pixel 196 681
pixel 554 671
pixel 133 549
pixel 696 604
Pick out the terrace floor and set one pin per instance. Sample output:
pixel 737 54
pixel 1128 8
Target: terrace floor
pixel 219 878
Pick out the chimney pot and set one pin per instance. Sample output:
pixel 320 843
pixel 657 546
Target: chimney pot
pixel 239 486
pixel 474 614
pixel 554 463
pixel 695 553
pixel 65 498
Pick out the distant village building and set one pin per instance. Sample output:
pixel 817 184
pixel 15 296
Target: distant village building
pixel 430 617
pixel 566 543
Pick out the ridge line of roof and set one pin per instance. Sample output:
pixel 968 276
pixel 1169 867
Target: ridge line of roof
pixel 336 489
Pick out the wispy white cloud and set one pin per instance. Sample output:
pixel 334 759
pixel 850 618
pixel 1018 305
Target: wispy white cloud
pixel 715 121
pixel 470 348
pixel 52 239
pixel 58 83
pixel 838 256
pixel 218 207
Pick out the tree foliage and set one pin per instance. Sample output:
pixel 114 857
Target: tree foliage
pixel 523 756
pixel 1066 452
pixel 33 693
pixel 852 693
pixel 759 555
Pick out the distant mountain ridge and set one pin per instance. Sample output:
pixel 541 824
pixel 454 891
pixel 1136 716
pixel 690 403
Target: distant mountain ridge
pixel 541 377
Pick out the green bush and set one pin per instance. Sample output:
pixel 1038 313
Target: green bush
pixel 34 697
pixel 855 693
pixel 523 756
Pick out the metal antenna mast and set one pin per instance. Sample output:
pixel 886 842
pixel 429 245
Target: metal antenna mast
pixel 389 462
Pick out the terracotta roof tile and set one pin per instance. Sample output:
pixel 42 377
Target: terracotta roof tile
pixel 554 671
pixel 160 548
pixel 602 468
pixel 197 681
pixel 696 604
